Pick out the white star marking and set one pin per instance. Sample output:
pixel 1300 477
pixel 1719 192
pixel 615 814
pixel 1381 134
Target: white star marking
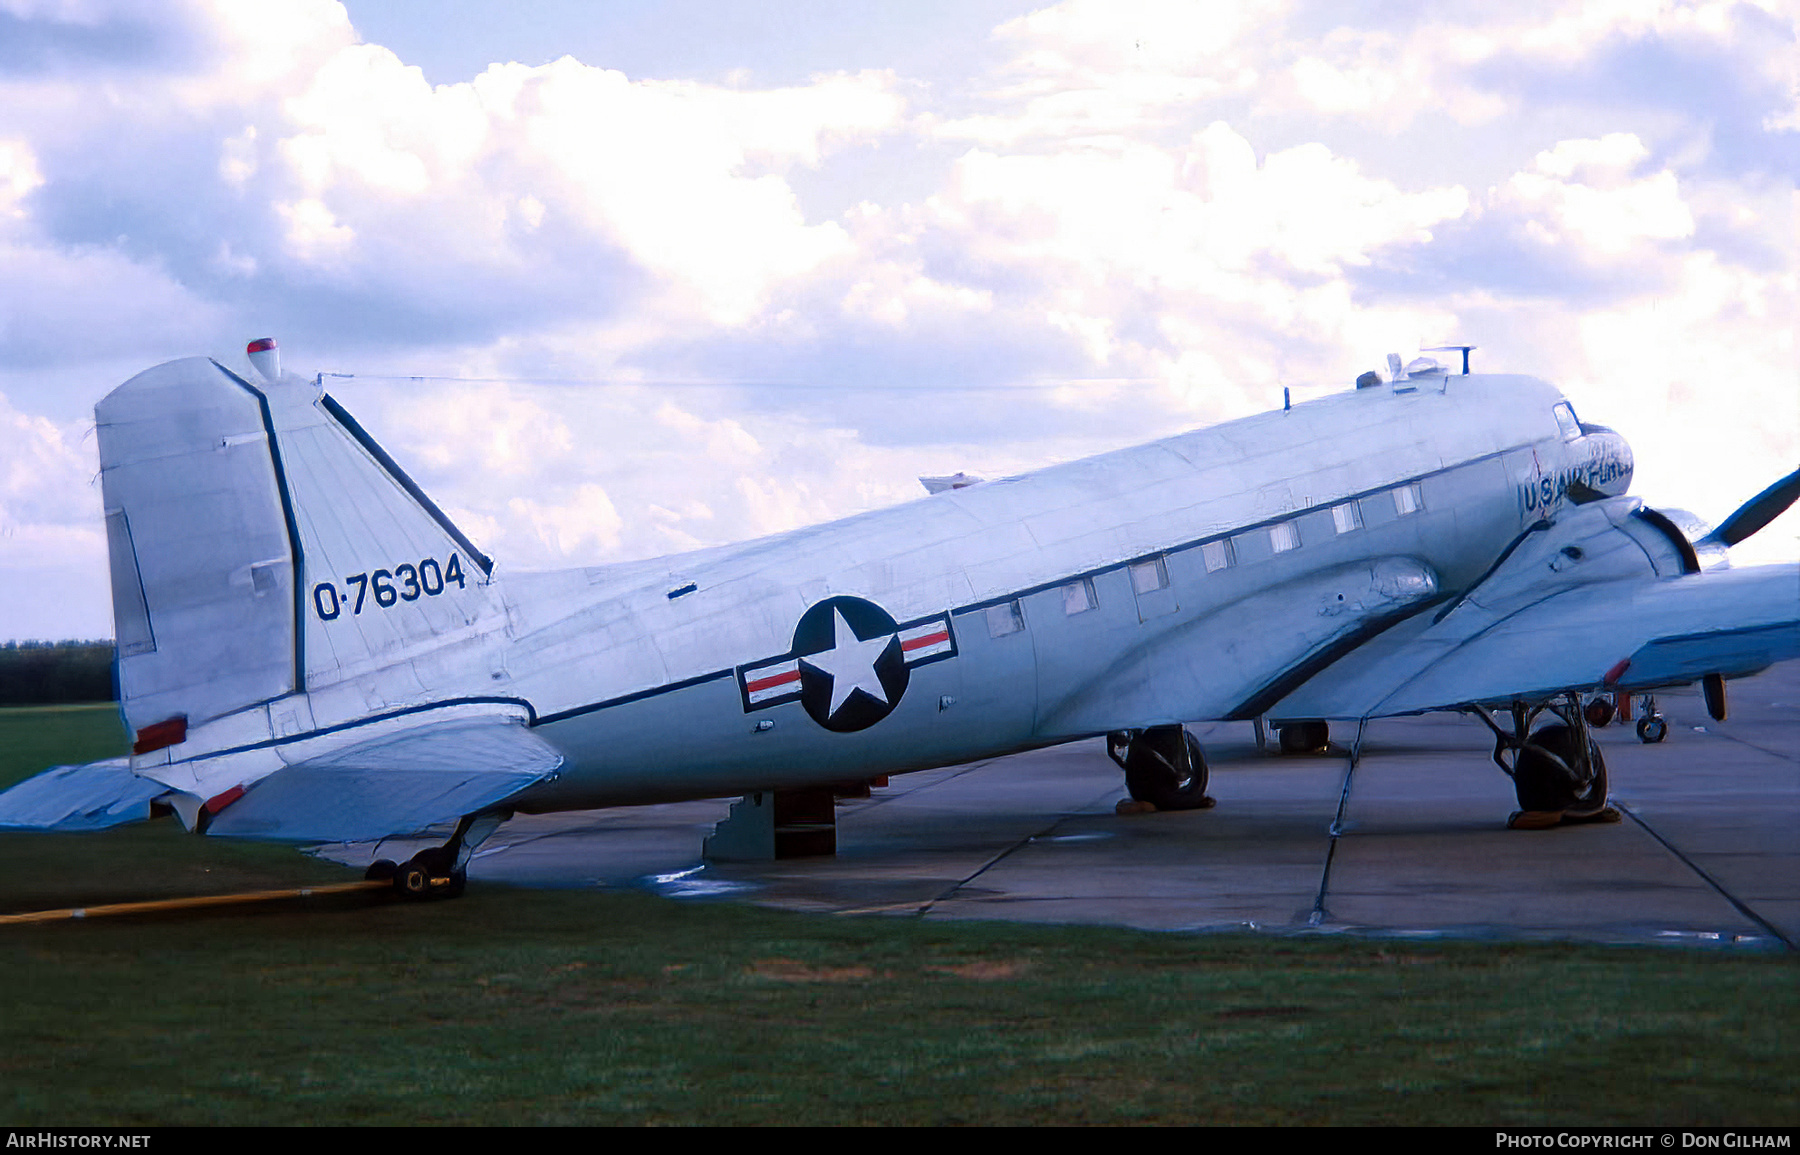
pixel 850 662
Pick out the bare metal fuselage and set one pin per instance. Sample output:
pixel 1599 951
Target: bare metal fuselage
pixel 1209 574
pixel 310 650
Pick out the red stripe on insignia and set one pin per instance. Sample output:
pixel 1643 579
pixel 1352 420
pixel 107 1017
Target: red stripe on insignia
pixel 938 638
pixel 772 681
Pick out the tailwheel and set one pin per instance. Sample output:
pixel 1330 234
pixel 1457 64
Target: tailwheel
pixel 442 871
pixel 430 873
pixel 1165 767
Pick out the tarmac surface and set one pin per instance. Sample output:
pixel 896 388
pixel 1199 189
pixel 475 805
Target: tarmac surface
pixel 1411 841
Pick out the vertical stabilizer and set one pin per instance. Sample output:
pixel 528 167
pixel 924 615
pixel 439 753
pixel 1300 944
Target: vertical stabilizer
pixel 389 586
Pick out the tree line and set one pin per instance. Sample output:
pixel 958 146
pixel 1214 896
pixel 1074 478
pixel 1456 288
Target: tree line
pixel 56 673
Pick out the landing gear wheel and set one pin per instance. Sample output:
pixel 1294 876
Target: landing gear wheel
pixel 1305 737
pixel 1545 787
pixel 381 870
pixel 1652 729
pixel 412 880
pixel 430 874
pixel 1165 767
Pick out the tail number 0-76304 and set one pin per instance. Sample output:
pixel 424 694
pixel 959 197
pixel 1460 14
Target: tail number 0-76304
pixel 404 583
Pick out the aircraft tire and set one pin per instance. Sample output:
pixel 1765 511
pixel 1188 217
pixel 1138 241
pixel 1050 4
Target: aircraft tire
pixel 381 870
pixel 412 880
pixel 1166 771
pixel 1305 737
pixel 1541 785
pixel 1652 729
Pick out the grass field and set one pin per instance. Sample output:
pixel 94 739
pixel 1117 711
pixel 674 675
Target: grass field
pixel 571 1007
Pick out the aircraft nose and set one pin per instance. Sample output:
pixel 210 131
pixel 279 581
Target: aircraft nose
pixel 1610 464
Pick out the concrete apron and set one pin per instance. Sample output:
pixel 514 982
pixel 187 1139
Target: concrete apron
pixel 1708 853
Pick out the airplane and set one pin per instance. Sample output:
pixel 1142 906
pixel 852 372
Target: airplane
pixel 310 650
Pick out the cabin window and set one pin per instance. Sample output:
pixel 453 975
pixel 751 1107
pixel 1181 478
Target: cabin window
pixel 1005 618
pixel 1218 555
pixel 1078 597
pixel 1566 420
pixel 1283 536
pixel 1149 575
pixel 1406 499
pixel 1346 517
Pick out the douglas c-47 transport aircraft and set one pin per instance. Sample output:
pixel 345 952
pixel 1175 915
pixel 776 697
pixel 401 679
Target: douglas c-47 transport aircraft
pixel 310 651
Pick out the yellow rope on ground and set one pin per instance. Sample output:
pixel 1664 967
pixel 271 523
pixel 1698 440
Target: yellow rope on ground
pixel 190 903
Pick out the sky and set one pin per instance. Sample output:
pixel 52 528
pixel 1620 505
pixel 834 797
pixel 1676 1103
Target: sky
pixel 614 280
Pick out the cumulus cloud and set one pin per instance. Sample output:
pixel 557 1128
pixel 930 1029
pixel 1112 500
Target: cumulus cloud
pixel 1134 218
pixel 52 549
pixel 1582 192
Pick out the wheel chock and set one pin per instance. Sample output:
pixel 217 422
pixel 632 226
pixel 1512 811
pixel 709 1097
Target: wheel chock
pixel 1545 819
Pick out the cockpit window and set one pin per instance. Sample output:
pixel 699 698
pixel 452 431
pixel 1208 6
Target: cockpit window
pixel 1565 421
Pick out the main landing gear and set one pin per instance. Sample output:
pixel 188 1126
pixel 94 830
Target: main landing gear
pixel 1558 771
pixel 439 871
pixel 1163 766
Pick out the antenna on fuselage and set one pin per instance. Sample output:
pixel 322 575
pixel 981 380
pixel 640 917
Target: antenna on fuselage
pixel 1463 349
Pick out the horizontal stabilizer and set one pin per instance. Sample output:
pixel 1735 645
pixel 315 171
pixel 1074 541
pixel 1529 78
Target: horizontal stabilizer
pixel 400 784
pixel 91 797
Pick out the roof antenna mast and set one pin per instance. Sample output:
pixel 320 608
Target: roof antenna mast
pixel 1463 349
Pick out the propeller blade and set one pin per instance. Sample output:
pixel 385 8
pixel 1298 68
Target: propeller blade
pixel 1759 511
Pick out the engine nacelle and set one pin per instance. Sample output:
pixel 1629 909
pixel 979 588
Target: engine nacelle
pixel 1709 553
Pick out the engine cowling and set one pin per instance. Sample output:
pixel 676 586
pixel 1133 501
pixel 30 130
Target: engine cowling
pixel 1709 552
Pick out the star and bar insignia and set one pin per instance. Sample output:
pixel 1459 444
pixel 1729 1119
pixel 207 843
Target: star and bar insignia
pixel 849 665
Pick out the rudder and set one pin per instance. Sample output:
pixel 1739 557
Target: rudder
pixel 204 596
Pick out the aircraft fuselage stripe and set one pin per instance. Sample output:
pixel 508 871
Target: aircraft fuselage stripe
pixel 985 603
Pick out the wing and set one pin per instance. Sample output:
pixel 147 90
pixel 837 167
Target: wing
pixel 1598 600
pixel 399 783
